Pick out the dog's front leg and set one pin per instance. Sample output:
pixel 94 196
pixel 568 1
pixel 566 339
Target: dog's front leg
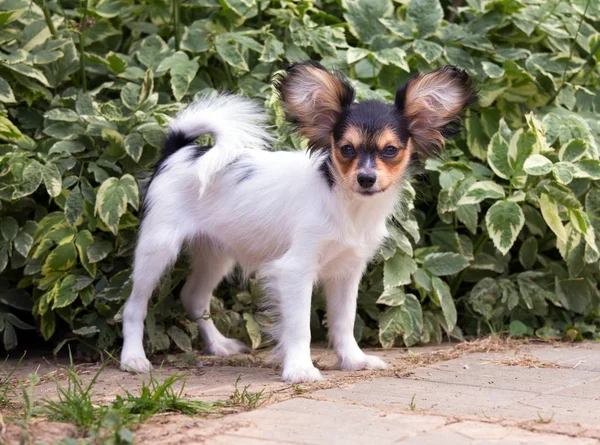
pixel 290 281
pixel 341 291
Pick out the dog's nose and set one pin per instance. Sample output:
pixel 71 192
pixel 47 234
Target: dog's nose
pixel 366 180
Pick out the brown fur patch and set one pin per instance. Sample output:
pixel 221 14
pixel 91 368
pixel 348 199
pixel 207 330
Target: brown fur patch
pixel 345 166
pixel 433 101
pixel 314 97
pixel 390 171
pixel 352 136
pixel 387 137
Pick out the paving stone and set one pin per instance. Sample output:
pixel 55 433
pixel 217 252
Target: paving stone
pixel 321 422
pixel 490 375
pixel 440 397
pixel 480 433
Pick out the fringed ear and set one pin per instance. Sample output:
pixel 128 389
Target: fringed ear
pixel 431 105
pixel 314 99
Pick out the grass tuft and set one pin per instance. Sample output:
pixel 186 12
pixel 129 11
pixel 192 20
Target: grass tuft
pixel 246 398
pixel 160 397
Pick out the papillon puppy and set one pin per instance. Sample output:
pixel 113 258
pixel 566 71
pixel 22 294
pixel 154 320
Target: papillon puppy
pixel 292 218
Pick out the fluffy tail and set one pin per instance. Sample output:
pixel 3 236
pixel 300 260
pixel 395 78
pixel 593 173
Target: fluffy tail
pixel 236 123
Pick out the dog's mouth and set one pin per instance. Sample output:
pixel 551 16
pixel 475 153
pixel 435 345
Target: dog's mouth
pixel 370 192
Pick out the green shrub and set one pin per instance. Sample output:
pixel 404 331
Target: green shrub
pixel 501 233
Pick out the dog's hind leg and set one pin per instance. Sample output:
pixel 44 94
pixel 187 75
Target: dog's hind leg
pixel 210 265
pixel 155 252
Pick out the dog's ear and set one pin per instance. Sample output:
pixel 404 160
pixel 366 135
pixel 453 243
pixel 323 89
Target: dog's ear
pixel 314 99
pixel 431 104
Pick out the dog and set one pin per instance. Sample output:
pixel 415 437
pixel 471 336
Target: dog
pixel 292 218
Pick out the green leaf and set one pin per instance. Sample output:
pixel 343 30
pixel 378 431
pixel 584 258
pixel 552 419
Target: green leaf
pixel 74 206
pixel 549 210
pixel 392 296
pixel 63 258
pixel 83 241
pixel 29 71
pixel 182 70
pixel 504 221
pixel 426 15
pixel 476 139
pixel 86 331
pixel 392 322
pixel 62 115
pixel 446 263
pixel 70 147
pixel 230 54
pixel 111 203
pixel 116 63
pixel 99 250
pixel 23 242
pixel 181 339
pixel 392 56
pixel 528 252
pixel 401 29
pixel 363 17
pixel 573 151
pixel 9 131
pixel 430 51
pixel 66 296
pixel 497 156
pixel 492 70
pixel 3 255
pixel 468 215
pixel 52 179
pixel 574 294
pixel 131 190
pixel 130 96
pixel 272 51
pixel 537 165
pixel 564 172
pixel 47 325
pixel 6 92
pixel 353 55
pixel 134 144
pixel 253 329
pixel 398 269
pixel 588 168
pixel 520 148
pixel 16 298
pixel 480 191
pixel 9 337
pixel 442 292
pixel 9 227
pixel 517 329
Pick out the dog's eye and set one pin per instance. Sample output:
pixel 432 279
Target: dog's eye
pixel 389 152
pixel 347 151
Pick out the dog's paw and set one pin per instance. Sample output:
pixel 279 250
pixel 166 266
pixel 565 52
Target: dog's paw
pixel 139 364
pixel 363 362
pixel 227 346
pixel 301 374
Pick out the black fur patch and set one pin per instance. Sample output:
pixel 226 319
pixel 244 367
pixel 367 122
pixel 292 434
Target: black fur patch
pixel 326 170
pixel 174 141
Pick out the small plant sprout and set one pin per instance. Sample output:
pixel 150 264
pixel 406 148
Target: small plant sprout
pixel 246 398
pixel 412 405
pixel 544 420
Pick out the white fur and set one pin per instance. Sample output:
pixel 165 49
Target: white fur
pixel 271 212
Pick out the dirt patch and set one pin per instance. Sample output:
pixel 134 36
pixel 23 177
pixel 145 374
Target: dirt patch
pixel 524 360
pixel 39 431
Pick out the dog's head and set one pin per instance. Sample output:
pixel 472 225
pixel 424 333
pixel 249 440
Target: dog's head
pixel 371 142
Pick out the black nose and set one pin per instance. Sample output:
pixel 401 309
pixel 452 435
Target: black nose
pixel 366 180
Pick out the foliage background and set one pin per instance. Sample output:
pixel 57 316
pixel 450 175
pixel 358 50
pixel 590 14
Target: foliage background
pixel 500 234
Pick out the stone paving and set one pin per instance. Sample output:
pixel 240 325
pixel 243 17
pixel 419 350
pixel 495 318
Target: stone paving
pixel 524 394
